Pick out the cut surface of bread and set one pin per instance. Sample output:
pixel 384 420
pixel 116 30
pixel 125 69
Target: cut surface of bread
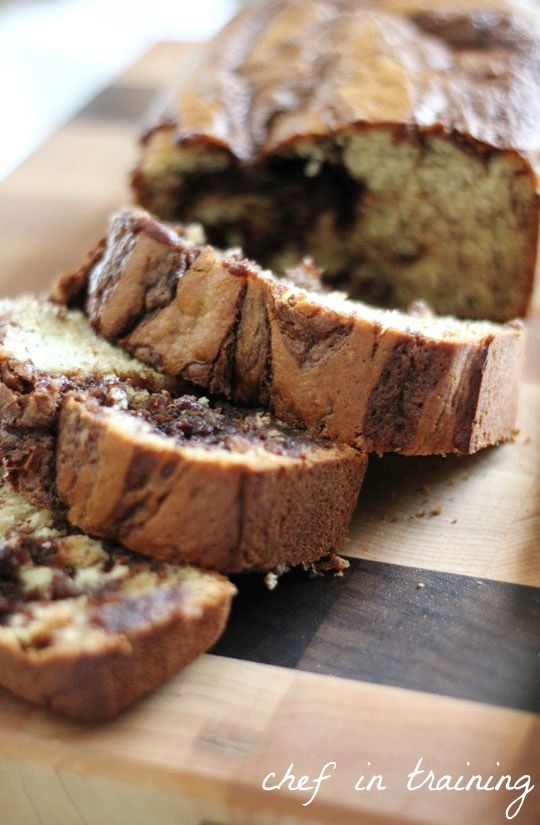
pixel 46 351
pixel 398 143
pixel 86 628
pixel 185 481
pixel 379 380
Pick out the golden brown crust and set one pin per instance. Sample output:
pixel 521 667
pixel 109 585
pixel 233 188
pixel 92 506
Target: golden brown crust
pixel 69 288
pixel 423 86
pixel 377 380
pixel 87 627
pixel 260 86
pixel 216 507
pixel 94 688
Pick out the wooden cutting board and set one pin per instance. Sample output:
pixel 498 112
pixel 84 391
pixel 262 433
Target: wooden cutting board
pixel 428 649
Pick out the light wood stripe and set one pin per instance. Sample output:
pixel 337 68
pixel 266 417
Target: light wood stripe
pixel 41 236
pixel 489 524
pixel 119 103
pixel 56 205
pixel 211 735
pixel 158 68
pixel 88 159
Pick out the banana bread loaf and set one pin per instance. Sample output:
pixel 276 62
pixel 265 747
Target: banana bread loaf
pixel 379 380
pixel 86 628
pixel 395 141
pixel 185 481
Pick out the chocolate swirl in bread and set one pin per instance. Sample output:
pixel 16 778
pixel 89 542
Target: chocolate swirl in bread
pixel 86 627
pixel 378 380
pixel 395 141
pixel 171 476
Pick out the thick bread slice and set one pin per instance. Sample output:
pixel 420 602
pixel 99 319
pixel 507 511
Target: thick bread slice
pixel 87 628
pixel 45 351
pixel 395 141
pixel 186 482
pixel 378 380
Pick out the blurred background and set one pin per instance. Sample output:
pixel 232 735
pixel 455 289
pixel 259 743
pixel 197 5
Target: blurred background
pixel 56 54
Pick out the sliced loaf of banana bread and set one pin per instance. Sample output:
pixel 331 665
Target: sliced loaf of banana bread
pixel 86 628
pixel 395 141
pixel 379 380
pixel 170 476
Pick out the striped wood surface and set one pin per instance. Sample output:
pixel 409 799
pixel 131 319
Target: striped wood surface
pixel 429 647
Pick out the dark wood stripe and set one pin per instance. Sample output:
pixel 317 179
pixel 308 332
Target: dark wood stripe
pixel 455 635
pixel 118 103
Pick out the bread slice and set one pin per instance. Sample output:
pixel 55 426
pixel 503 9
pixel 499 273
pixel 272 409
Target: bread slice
pixel 186 481
pixel 395 141
pixel 45 351
pixel 86 628
pixel 376 379
pixel 171 477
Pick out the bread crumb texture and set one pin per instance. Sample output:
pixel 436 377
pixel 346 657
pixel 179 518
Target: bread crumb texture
pixel 62 591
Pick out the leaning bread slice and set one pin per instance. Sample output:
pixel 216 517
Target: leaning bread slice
pixel 45 351
pixel 377 379
pixel 185 481
pixel 86 628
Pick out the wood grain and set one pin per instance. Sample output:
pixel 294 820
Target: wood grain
pixel 197 750
pixel 200 747
pixel 489 520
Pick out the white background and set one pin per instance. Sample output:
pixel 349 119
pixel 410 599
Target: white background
pixel 56 54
